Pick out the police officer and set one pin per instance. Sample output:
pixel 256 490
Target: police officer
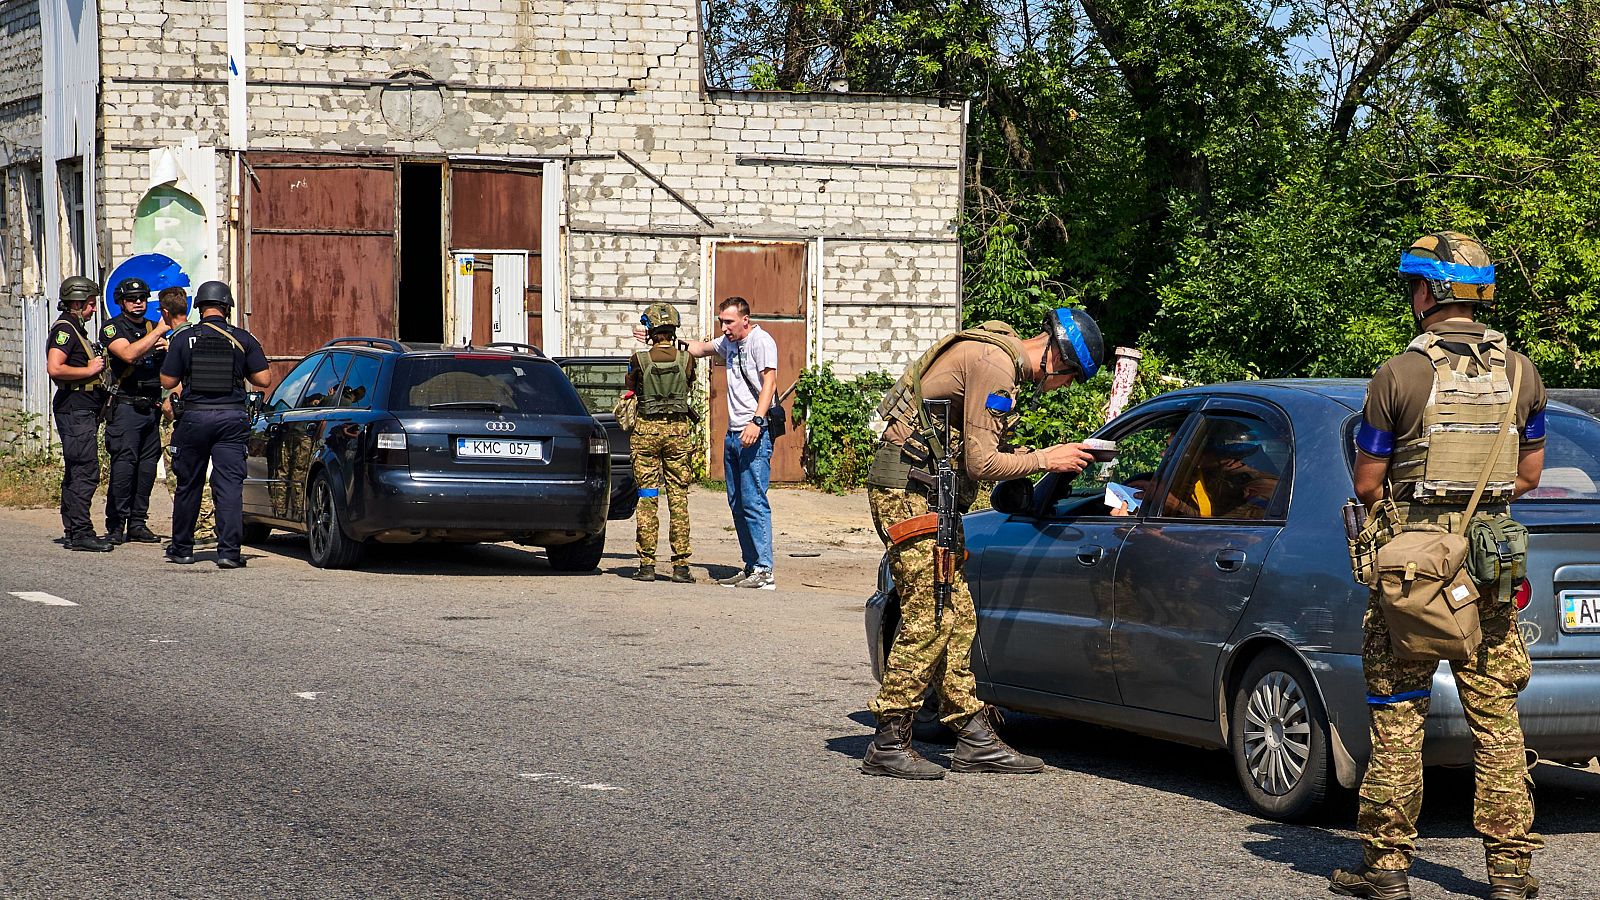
pixel 1411 453
pixel 175 313
pixel 76 366
pixel 978 370
pixel 133 426
pixel 211 363
pixel 661 441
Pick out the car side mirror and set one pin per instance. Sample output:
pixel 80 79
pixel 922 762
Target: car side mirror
pixel 1012 497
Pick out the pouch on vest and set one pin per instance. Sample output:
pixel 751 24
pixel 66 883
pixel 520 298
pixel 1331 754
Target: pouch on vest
pixel 1428 597
pixel 1497 554
pixel 626 411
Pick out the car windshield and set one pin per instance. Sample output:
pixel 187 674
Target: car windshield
pixel 599 384
pixel 475 381
pixel 1571 468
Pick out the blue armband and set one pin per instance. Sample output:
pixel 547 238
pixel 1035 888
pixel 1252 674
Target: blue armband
pixel 1391 699
pixel 1534 429
pixel 1374 441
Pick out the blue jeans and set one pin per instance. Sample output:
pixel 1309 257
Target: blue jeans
pixel 748 471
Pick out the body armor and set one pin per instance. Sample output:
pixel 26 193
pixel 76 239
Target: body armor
pixel 211 361
pixel 903 402
pixel 1460 425
pixel 663 386
pixel 93 382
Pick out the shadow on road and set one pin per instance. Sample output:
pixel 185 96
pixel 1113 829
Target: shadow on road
pixel 501 560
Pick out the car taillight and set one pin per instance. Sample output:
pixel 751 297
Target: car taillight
pixel 389 444
pixel 1524 594
pixel 599 445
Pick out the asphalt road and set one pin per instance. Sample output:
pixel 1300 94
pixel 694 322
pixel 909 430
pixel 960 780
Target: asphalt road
pixel 468 723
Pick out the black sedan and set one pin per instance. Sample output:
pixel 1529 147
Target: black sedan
pixel 369 440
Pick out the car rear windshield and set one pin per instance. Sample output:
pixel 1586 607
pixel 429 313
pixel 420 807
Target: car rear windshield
pixel 1571 468
pixel 599 384
pixel 467 381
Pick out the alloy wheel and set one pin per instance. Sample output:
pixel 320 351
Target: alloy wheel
pixel 1277 733
pixel 320 527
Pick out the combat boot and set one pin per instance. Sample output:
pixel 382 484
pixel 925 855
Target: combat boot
pixel 890 753
pixel 1381 884
pixel 681 575
pixel 140 533
pixel 979 749
pixel 88 542
pixel 1506 884
pixel 645 573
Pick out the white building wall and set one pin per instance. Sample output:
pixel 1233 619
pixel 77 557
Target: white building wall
pixel 21 124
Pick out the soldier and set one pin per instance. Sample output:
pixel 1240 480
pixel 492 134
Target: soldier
pixel 979 370
pixel 1455 371
pixel 175 312
pixel 661 441
pixel 76 366
pixel 211 362
pixel 133 434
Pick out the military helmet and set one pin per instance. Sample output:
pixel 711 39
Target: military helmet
pixel 658 316
pixel 213 293
pixel 1077 338
pixel 77 289
pixel 1456 267
pixel 132 289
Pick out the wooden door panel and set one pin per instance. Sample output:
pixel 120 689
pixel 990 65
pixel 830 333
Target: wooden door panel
pixel 500 209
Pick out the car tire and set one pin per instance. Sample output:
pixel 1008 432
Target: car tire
pixel 1278 736
pixel 255 532
pixel 330 547
pixel 578 556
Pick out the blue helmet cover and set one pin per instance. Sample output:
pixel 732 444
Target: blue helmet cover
pixel 1085 359
pixel 1439 270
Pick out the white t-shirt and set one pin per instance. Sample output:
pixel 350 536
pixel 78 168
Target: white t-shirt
pixel 751 356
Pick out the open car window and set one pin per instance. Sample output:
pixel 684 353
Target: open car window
pixel 1234 468
pixel 1142 454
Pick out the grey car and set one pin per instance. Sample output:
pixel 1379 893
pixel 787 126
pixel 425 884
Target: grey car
pixel 1221 611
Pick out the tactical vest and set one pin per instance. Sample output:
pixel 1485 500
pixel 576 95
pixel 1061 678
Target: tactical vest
pixel 663 386
pixel 93 382
pixel 128 374
pixel 1459 426
pixel 211 361
pixel 903 402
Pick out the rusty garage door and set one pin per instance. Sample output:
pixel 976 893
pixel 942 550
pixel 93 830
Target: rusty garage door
pixel 320 250
pixel 498 208
pixel 772 277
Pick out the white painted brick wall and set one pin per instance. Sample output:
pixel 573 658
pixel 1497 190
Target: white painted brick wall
pixel 21 122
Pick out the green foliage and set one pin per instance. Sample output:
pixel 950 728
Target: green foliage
pixel 1073 413
pixel 30 475
pixel 835 415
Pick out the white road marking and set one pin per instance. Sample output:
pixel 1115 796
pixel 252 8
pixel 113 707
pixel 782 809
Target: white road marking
pixel 309 695
pixel 569 781
pixel 41 597
pixel 153 641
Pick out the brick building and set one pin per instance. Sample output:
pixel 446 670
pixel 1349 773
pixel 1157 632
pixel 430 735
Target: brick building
pixel 532 171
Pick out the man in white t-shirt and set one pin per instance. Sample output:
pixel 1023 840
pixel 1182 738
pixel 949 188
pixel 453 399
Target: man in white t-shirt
pixel 752 358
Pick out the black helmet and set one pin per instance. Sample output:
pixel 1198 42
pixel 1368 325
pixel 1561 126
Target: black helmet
pixel 1077 338
pixel 132 289
pixel 76 289
pixel 213 293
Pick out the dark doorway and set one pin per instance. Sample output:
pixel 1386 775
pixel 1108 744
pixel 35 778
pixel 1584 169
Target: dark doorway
pixel 421 253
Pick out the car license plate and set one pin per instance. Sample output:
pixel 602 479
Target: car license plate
pixel 499 448
pixel 1580 611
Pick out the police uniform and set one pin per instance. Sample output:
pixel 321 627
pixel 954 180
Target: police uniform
pixel 662 445
pixel 76 407
pixel 205 529
pixel 133 428
pixel 212 359
pixel 1433 413
pixel 979 371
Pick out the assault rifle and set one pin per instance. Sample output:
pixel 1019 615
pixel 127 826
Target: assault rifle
pixel 942 499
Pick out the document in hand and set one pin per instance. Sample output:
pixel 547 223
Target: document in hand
pixel 1118 495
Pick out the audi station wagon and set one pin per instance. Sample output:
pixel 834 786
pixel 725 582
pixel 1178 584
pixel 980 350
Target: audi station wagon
pixel 368 440
pixel 1221 611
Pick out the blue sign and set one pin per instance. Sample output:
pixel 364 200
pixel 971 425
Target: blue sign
pixel 154 269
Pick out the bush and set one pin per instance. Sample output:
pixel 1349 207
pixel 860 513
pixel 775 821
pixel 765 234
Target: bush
pixel 837 415
pixel 30 476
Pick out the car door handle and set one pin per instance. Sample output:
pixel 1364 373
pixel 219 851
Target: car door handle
pixel 1230 560
pixel 351 431
pixel 1090 554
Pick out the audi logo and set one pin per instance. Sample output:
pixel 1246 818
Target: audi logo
pixel 500 426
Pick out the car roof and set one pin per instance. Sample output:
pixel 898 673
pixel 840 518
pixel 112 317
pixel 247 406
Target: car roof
pixel 1350 393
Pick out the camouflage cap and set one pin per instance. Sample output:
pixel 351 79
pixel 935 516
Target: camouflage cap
pixel 659 315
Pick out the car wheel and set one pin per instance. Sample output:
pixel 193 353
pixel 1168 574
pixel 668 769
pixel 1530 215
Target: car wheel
pixel 255 532
pixel 331 548
pixel 1278 735
pixel 578 556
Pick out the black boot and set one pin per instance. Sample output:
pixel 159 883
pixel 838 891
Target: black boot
pixel 1511 886
pixel 140 533
pixel 890 753
pixel 1380 884
pixel 89 542
pixel 979 749
pixel 645 573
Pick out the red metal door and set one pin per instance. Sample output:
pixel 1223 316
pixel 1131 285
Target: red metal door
pixel 320 257
pixel 772 277
pixel 499 208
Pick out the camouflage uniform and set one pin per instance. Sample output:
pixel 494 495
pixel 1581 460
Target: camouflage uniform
pixel 923 655
pixel 1397 697
pixel 661 458
pixel 205 531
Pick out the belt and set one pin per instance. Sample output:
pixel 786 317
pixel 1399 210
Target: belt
pixel 197 407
